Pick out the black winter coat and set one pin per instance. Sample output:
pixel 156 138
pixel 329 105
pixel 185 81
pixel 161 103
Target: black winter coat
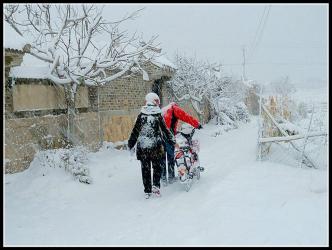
pixel 149 132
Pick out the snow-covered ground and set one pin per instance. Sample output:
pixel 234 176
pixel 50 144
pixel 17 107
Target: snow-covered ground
pixel 311 95
pixel 237 201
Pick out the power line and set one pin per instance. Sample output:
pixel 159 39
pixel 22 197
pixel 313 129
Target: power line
pixel 265 17
pixel 257 31
pixel 244 63
pixel 262 30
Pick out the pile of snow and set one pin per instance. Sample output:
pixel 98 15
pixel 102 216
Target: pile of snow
pixel 71 160
pixel 118 145
pixel 290 128
pixel 13 40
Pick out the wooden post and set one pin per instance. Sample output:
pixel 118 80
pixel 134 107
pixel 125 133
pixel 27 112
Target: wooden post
pixel 285 134
pixel 260 125
pixel 291 137
pixel 306 136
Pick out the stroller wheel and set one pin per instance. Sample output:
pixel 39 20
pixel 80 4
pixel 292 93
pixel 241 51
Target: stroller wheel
pixel 198 174
pixel 188 184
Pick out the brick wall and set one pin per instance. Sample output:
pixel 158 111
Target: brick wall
pixel 123 94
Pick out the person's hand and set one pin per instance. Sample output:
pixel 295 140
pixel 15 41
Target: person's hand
pixel 200 126
pixel 172 142
pixel 132 151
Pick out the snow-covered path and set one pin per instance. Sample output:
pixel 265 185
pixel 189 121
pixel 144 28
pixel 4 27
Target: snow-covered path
pixel 237 201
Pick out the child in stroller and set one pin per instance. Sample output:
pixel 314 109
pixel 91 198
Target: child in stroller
pixel 186 153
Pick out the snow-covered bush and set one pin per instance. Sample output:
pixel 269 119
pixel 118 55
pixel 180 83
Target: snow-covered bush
pixel 224 119
pixel 117 145
pixel 196 80
pixel 230 113
pixel 72 160
pixel 242 113
pixel 107 145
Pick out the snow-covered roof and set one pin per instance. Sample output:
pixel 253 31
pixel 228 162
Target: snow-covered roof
pixel 12 40
pixel 162 61
pixel 159 60
pixel 35 72
pixel 31 67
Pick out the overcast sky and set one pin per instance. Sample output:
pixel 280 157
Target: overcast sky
pixel 292 43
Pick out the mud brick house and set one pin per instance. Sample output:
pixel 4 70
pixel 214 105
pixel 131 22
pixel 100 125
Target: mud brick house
pixel 36 112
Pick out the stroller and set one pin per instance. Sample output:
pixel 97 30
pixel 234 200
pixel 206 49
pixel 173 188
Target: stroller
pixel 186 156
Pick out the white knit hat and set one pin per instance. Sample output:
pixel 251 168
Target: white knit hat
pixel 152 99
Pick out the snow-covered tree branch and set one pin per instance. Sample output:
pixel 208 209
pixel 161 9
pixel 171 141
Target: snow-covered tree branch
pixel 68 37
pixel 196 81
pixel 79 43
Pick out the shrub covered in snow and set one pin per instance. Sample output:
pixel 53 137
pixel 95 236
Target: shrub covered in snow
pixel 242 113
pixel 72 160
pixel 117 145
pixel 230 113
pixel 224 119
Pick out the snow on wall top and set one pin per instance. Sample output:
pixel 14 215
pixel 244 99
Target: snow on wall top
pixel 39 70
pixel 35 68
pixel 159 60
pixel 36 72
pixel 12 40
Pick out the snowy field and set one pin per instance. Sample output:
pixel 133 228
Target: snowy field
pixel 237 201
pixel 311 95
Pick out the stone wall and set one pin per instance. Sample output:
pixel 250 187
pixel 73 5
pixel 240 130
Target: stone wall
pixel 25 136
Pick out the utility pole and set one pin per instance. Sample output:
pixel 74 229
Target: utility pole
pixel 244 63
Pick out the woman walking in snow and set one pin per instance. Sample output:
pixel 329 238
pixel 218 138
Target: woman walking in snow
pixel 147 133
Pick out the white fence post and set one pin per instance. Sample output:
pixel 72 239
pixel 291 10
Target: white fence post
pixel 306 137
pixel 260 125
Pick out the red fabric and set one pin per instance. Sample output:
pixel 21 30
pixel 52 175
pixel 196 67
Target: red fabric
pixel 179 114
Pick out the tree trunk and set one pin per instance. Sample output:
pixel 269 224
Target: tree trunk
pixel 71 112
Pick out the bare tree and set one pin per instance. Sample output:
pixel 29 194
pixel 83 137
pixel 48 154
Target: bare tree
pixel 283 86
pixel 190 81
pixel 196 80
pixel 71 39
